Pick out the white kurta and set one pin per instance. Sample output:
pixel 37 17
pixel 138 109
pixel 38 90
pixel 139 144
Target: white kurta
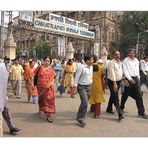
pixel 3 91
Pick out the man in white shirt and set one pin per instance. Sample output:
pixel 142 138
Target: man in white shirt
pixel 6 114
pixel 83 81
pixel 144 71
pixel 3 91
pixel 131 73
pixel 56 66
pixel 114 75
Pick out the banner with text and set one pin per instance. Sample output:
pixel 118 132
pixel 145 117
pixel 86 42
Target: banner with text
pixel 65 27
pixel 67 22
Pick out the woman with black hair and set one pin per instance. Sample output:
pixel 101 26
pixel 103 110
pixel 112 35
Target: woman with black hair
pixel 45 85
pixel 69 77
pixel 97 93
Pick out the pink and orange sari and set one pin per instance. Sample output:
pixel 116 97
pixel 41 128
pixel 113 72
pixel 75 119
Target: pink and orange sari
pixel 46 94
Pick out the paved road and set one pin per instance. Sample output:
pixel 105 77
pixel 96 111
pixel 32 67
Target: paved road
pixel 26 118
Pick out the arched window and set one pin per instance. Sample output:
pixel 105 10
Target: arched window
pixel 93 15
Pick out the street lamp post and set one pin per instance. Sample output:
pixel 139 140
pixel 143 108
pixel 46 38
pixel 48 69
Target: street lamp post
pixel 137 45
pixel 140 29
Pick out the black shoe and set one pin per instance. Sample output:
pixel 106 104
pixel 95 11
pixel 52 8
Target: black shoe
pixel 109 111
pixel 82 123
pixel 14 131
pixel 120 117
pixel 144 116
pixel 28 100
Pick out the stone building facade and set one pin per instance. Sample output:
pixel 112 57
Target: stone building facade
pixel 3 37
pixel 105 24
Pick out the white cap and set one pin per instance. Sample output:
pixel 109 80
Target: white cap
pixel 100 61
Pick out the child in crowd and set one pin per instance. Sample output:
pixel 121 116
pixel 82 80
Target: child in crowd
pixel 34 94
pixel 61 87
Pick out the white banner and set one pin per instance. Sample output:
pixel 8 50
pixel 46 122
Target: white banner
pixel 61 20
pixel 44 24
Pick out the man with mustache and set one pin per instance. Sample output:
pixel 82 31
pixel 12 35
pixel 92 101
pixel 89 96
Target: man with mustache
pixel 114 74
pixel 131 73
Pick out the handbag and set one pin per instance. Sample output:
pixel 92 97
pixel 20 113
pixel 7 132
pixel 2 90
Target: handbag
pixel 35 80
pixel 95 68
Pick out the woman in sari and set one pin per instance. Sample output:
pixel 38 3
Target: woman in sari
pixel 45 86
pixel 31 89
pixel 97 91
pixel 69 77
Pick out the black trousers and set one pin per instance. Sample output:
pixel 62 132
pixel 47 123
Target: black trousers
pixel 114 97
pixel 134 91
pixel 7 117
pixel 143 79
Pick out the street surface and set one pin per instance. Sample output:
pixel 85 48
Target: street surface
pixel 25 116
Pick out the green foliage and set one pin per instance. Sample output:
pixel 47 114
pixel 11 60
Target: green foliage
pixel 113 46
pixel 42 50
pixel 17 51
pixel 132 24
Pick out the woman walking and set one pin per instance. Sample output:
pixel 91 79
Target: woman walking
pixel 45 86
pixel 31 89
pixel 96 96
pixel 69 77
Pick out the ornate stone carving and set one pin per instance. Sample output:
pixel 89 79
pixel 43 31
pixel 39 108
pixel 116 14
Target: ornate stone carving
pixel 10 47
pixel 104 55
pixel 70 51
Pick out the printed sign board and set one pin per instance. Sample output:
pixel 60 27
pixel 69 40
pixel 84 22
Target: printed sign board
pixel 64 28
pixel 26 16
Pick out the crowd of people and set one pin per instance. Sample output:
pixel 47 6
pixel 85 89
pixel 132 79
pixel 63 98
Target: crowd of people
pixel 89 78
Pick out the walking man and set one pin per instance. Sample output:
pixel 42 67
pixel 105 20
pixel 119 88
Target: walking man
pixel 3 91
pixel 144 72
pixel 16 71
pixel 8 118
pixel 131 73
pixel 115 75
pixel 57 68
pixel 83 81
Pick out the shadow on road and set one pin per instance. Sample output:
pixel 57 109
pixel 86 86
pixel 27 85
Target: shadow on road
pixel 29 117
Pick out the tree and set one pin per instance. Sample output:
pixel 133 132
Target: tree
pixel 134 23
pixel 42 50
pixel 17 52
pixel 113 46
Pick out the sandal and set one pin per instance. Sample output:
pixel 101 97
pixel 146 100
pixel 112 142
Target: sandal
pixel 49 119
